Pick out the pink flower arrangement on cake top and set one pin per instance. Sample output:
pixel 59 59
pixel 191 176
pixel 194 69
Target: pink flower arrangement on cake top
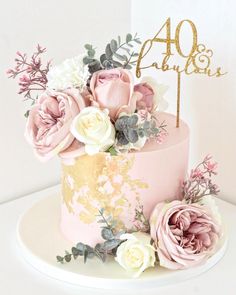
pixel 81 84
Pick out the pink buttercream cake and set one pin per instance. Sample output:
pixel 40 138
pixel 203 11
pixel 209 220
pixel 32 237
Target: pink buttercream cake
pixel 119 184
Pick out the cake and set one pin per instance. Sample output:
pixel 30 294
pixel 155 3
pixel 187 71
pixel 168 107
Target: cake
pixel 121 183
pixel 125 189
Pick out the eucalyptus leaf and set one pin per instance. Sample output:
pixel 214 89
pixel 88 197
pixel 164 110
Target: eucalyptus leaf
pixel 108 51
pixel 85 256
pixel 113 45
pixel 59 259
pixel 103 58
pixel 75 252
pixel 88 46
pixel 68 258
pixel 128 67
pixel 94 66
pixel 87 60
pixel 101 211
pixel 107 234
pixel 146 125
pixel 91 53
pixel 26 114
pixel 122 140
pixel 121 57
pixel 128 38
pixel 119 40
pixel 132 136
pixel 81 247
pixel 109 245
pixel 132 121
pixel 117 64
pixel 141 133
pixel 137 41
pixel 121 123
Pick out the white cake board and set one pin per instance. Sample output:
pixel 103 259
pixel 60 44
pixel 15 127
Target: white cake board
pixel 40 241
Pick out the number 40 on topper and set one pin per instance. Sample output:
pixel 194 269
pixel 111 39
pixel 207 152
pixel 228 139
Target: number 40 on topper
pixel 197 61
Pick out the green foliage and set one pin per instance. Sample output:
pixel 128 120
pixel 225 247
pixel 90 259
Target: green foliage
pixel 101 250
pixel 117 53
pixel 26 114
pixel 112 151
pixel 129 130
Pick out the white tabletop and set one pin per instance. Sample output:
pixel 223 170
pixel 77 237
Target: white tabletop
pixel 17 277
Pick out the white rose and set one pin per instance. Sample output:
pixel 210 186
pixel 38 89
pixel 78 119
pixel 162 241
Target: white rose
pixel 136 254
pixel 159 90
pixel 70 73
pixel 93 127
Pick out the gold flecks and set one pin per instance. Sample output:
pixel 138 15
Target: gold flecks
pixel 100 181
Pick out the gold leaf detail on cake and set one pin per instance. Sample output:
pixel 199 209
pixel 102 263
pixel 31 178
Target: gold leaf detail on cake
pixel 101 181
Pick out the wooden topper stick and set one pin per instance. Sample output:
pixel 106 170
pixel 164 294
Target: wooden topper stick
pixel 178 100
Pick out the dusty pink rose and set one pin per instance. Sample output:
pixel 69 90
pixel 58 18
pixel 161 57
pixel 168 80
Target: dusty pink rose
pixel 184 234
pixel 146 101
pixel 113 89
pixel 48 125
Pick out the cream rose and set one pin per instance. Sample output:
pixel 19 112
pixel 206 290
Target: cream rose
pixel 136 254
pixel 94 128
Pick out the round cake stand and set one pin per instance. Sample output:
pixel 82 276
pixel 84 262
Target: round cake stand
pixel 40 241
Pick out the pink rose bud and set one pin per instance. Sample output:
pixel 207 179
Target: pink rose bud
pixel 146 100
pixel 113 90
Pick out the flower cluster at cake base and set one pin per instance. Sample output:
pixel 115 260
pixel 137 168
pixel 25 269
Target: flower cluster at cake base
pixel 178 235
pixel 89 104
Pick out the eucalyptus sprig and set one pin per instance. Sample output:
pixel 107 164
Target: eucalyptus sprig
pixel 117 53
pixel 129 130
pixel 101 250
pixel 120 53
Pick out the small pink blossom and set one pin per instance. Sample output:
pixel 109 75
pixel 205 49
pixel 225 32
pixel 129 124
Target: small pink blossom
pixel 196 173
pixel 211 167
pixel 36 78
pixel 161 137
pixel 199 183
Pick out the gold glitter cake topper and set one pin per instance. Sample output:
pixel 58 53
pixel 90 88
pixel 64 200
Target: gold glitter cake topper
pixel 197 61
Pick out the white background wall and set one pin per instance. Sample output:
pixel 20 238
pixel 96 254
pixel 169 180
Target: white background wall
pixel 63 27
pixel 208 104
